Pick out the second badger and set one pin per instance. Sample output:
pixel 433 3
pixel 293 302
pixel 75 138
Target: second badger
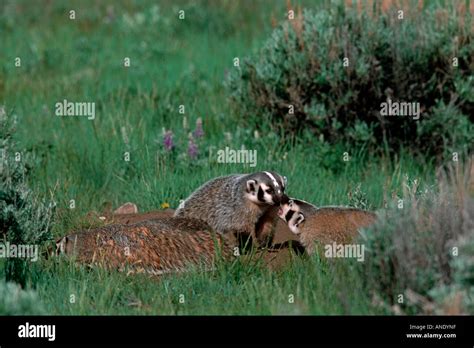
pixel 325 225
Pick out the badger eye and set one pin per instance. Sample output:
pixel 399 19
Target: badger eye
pixel 270 190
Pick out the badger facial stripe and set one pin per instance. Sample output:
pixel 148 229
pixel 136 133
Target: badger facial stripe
pixel 260 194
pixel 272 178
pixel 275 182
pixel 289 215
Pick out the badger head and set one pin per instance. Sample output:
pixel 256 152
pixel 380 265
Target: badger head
pixel 290 212
pixel 265 188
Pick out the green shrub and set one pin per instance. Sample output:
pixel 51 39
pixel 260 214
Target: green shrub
pixel 409 60
pixel 15 301
pixel 423 247
pixel 462 287
pixel 24 218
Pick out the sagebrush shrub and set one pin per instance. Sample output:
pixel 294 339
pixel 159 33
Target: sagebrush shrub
pixel 423 244
pixel 298 81
pixel 457 297
pixel 24 218
pixel 16 301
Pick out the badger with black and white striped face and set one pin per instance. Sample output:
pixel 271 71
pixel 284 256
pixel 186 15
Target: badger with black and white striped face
pixel 323 225
pixel 234 203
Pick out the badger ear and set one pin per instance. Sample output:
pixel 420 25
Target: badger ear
pixel 61 246
pixel 299 219
pixel 285 181
pixel 251 186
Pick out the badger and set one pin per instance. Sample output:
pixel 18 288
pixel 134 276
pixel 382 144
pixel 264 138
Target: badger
pixel 156 247
pixel 325 225
pixel 235 203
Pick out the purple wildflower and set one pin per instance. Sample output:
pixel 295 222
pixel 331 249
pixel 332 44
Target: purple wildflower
pixel 168 141
pixel 198 132
pixel 192 149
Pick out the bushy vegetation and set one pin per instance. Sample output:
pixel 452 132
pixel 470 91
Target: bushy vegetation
pixel 421 248
pixel 24 218
pixel 300 82
pixel 16 301
pixel 457 296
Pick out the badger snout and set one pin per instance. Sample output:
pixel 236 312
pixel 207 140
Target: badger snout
pixel 278 198
pixel 284 199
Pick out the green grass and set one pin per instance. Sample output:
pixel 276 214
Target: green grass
pixel 308 286
pixel 173 62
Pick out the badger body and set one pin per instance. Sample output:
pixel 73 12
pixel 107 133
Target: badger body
pixel 155 246
pixel 323 225
pixel 234 203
